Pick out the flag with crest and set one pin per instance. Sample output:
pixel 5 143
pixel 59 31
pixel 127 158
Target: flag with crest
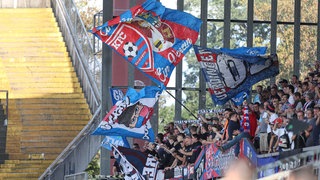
pixel 151 37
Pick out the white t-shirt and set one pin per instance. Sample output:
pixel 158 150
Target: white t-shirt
pixel 291 100
pixel 271 119
pixel 279 132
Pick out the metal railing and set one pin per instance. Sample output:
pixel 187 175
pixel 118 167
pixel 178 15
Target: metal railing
pixel 77 155
pixel 88 68
pixel 310 157
pixel 6 105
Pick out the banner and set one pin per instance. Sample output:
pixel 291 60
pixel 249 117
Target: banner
pixel 110 141
pixel 130 116
pixel 210 111
pixel 228 74
pixel 151 37
pixel 136 164
pixel 216 162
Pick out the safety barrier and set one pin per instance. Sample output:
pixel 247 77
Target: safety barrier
pixel 212 163
pixel 310 157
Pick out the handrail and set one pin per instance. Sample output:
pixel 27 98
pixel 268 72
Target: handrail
pixel 7 106
pixel 88 68
pixel 87 130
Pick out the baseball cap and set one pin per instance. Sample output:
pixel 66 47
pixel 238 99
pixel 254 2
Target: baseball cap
pixel 278 120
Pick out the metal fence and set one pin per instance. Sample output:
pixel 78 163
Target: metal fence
pixel 282 168
pixel 88 68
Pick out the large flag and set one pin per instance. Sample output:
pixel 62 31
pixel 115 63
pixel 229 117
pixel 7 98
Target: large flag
pixel 151 37
pixel 228 74
pixel 130 116
pixel 136 164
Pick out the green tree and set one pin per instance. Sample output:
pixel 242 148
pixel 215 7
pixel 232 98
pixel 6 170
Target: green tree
pixel 166 112
pixel 261 37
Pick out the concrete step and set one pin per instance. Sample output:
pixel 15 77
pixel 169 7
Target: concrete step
pixel 33 44
pixel 50 128
pixel 52 133
pixel 36 35
pixel 41 69
pixel 50 154
pixel 44 106
pixel 47 90
pixel 30 30
pixel 52 150
pixel 26 10
pixel 31 39
pixel 54 122
pixel 44 144
pixel 38 59
pixel 32 49
pixel 24 170
pixel 40 137
pixel 47 95
pixel 83 111
pixel 19 175
pixel 74 85
pixel 66 117
pixel 25 53
pixel 49 101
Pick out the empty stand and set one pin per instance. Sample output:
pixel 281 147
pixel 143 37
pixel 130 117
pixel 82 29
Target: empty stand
pixel 47 108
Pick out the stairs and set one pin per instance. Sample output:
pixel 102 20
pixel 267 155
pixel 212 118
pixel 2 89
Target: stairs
pixel 47 108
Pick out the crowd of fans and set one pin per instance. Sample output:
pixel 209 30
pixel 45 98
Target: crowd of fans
pixel 270 111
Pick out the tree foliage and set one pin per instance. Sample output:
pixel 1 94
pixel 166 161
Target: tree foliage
pixel 261 37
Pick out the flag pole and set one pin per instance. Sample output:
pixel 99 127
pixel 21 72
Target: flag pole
pixel 181 104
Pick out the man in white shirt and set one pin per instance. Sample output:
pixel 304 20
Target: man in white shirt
pixel 271 117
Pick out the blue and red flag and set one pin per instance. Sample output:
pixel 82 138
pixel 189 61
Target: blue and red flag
pixel 227 74
pixel 151 37
pixel 136 163
pixel 130 116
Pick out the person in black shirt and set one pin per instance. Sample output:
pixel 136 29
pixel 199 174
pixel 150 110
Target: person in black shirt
pixel 192 155
pixel 233 126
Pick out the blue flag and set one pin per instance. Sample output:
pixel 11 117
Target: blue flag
pixel 151 37
pixel 239 98
pixel 130 116
pixel 229 74
pixel 108 141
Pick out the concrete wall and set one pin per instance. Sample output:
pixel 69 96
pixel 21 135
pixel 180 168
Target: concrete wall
pixel 24 3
